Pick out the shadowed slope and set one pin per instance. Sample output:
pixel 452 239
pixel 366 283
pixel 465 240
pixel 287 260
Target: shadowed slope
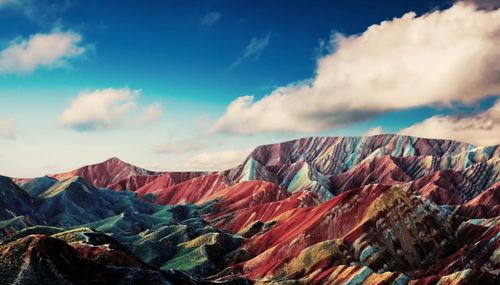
pixel 14 202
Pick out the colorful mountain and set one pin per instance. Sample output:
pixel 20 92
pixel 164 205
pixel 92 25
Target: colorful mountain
pixel 384 209
pixel 110 173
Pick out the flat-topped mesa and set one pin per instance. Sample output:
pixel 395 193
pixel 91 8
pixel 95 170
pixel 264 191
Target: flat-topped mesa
pixel 337 164
pixel 341 153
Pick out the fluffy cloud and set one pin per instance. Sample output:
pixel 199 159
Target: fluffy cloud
pixel 210 18
pixel 40 50
pixel 375 131
pixel 106 109
pixel 8 128
pixel 220 160
pixel 253 49
pixel 181 146
pixel 480 129
pixel 434 59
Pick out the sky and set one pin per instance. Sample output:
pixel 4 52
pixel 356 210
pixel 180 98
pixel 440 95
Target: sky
pixel 196 85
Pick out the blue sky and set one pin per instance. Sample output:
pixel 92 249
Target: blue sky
pixel 165 85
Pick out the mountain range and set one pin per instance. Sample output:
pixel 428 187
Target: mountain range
pixel 385 209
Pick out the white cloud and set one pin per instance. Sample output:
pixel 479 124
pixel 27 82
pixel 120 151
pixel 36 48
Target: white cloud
pixel 210 18
pixel 8 128
pixel 149 115
pixel 40 50
pixel 253 49
pixel 375 131
pixel 434 59
pixel 481 129
pixel 220 160
pixel 106 109
pixel 181 146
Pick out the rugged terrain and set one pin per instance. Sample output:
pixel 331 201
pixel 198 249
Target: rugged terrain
pixel 384 209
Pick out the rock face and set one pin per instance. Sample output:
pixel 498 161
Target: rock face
pixel 384 209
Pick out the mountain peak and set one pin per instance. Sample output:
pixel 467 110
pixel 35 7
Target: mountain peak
pixel 114 159
pixel 105 173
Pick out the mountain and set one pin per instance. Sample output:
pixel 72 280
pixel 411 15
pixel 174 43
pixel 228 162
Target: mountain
pixel 105 174
pixel 166 191
pixel 148 235
pixel 384 209
pixel 16 204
